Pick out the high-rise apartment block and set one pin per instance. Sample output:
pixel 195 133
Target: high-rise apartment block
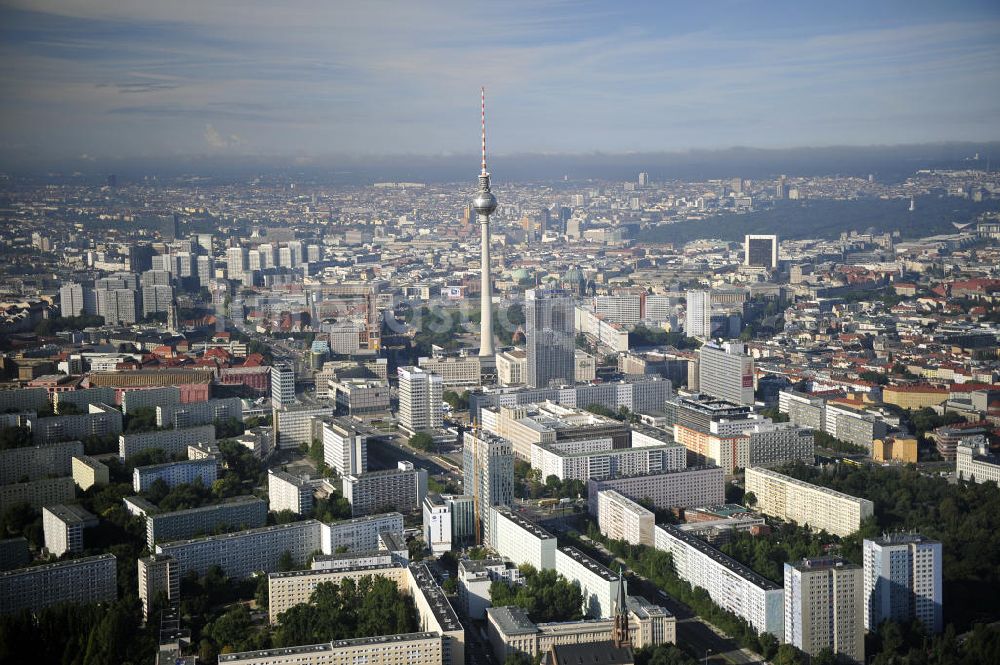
pixel 621 518
pixel 402 489
pixel 698 322
pixel 282 385
pixel 550 338
pixel 83 581
pixel 730 584
pixel 157 574
pixel 903 581
pixel 63 526
pixel 726 372
pixel 824 607
pixel 420 395
pixel 488 475
pixel 288 492
pixel 345 447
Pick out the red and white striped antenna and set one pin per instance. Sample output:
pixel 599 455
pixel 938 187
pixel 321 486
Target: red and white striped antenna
pixel 483 94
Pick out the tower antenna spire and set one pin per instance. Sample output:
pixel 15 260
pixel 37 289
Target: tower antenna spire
pixel 482 92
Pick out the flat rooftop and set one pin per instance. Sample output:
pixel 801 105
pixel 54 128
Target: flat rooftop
pixel 732 564
pixel 330 646
pixel 524 523
pixel 589 563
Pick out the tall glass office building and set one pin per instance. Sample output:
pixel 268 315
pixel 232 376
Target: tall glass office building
pixel 550 337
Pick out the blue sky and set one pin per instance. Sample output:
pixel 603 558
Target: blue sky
pixel 102 79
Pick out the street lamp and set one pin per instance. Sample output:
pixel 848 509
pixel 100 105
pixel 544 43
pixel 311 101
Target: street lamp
pixel 707 651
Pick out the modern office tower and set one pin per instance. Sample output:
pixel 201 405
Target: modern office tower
pixel 597 583
pixel 643 179
pixel 683 488
pixel 824 607
pixel 903 581
pixel 345 448
pixel 781 189
pixel 171 441
pixel 974 462
pixel 157 573
pixel 38 493
pixel 83 581
pixel 402 489
pixel 488 474
pixel 621 518
pixel 420 395
pixel 733 586
pixel 175 473
pixel 760 251
pixel 795 500
pixel 140 257
pixel 726 372
pixel 550 338
pixel 236 263
pixel 75 299
pixel 34 462
pixel 736 185
pixel 88 472
pixel 698 321
pixel 282 385
pixel 485 204
pixel 288 492
pixel 168 225
pixel 63 526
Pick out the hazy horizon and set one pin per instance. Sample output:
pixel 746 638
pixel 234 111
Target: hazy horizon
pixel 100 81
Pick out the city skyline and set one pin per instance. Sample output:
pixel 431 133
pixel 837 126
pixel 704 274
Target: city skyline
pixel 97 81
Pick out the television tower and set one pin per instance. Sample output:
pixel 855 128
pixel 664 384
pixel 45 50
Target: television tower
pixel 485 204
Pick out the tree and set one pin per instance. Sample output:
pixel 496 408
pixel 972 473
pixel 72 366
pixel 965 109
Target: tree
pixel 749 499
pixel 456 401
pixel 286 562
pixel 422 441
pixel 545 596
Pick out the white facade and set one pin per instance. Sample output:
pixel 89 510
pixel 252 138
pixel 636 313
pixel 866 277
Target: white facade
pixel 621 518
pixel 975 463
pixel 902 581
pixel 288 492
pixel 345 448
pixel 175 473
pixel 726 372
pixel 420 395
pixel 730 584
pixel 294 424
pixel 693 486
pixel 282 385
pixel 795 500
pixel 698 321
pixel 437 524
pixel 63 527
pixel 597 583
pixel 522 541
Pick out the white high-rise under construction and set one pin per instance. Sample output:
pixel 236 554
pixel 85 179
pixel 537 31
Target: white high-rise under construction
pixel 485 203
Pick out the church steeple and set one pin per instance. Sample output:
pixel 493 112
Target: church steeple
pixel 619 633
